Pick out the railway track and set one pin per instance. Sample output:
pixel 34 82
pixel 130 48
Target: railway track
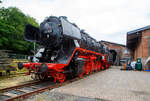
pixel 21 92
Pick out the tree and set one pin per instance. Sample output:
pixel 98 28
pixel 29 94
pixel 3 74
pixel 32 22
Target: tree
pixel 12 24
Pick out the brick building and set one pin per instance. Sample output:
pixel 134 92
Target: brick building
pixel 119 51
pixel 138 42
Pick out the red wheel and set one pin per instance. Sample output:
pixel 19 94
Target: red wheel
pixel 60 77
pixel 80 75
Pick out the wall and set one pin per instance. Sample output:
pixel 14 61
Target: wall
pixel 119 48
pixel 142 50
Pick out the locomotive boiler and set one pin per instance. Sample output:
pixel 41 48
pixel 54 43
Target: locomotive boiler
pixel 65 50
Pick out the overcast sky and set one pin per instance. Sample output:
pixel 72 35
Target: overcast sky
pixel 108 20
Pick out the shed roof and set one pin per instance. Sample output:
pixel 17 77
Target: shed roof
pixel 113 43
pixel 138 30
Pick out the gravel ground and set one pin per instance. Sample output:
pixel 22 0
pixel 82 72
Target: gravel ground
pixel 8 82
pixel 109 85
pixel 56 96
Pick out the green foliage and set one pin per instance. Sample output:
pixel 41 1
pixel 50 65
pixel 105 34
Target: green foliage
pixel 12 24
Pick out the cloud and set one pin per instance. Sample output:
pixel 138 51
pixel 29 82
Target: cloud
pixel 102 19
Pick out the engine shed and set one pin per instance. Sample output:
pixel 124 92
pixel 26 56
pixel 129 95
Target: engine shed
pixel 119 51
pixel 138 42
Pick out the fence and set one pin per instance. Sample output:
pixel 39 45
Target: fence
pixel 8 60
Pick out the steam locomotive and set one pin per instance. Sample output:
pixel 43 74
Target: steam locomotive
pixel 65 50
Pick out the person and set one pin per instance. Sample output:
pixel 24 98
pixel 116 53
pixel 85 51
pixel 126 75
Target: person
pixel 133 64
pixel 129 65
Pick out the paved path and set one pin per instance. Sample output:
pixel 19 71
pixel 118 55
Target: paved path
pixel 113 85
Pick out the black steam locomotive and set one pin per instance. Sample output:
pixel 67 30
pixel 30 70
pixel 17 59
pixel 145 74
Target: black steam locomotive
pixel 64 49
